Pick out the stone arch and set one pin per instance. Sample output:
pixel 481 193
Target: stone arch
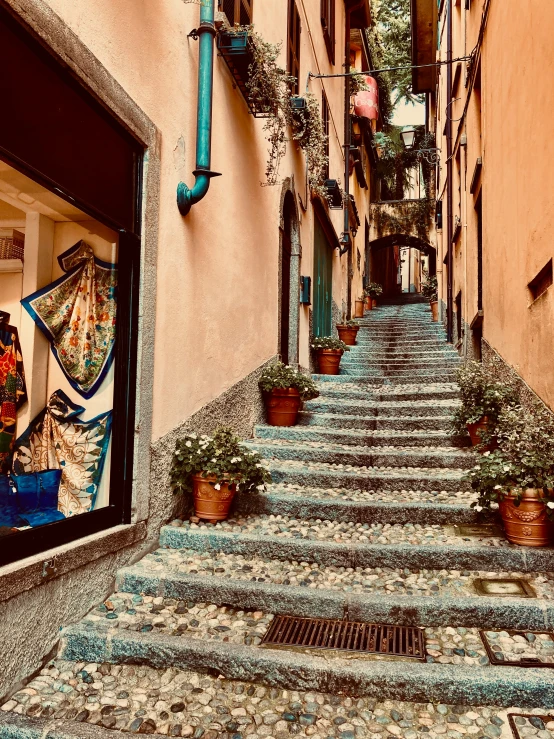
pixel 290 252
pixel 407 240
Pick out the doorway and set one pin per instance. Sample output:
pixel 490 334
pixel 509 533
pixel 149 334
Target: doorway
pixel 323 281
pixel 285 297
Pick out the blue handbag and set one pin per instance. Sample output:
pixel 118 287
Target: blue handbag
pixel 8 505
pixel 37 496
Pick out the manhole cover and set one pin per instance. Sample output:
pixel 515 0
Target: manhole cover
pixel 350 636
pixel 530 724
pixel 479 529
pixel 505 588
pixel 519 648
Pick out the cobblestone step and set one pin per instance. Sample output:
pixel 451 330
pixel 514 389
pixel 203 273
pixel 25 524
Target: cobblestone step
pixel 443 391
pixel 358 407
pixel 417 547
pixel 183 702
pixel 376 423
pixel 279 449
pixel 397 679
pixel 399 375
pixel 379 595
pixel 360 477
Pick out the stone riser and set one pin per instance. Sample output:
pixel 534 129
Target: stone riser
pixel 353 437
pixel 333 509
pixel 328 455
pixel 327 390
pixel 400 680
pixel 412 556
pixel 13 726
pixel 374 480
pixel 399 376
pixel 439 423
pixel 378 410
pixel 477 612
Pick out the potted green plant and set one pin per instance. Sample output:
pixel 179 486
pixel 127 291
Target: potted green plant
pixel 284 389
pixel 373 290
pixel 212 468
pixel 430 290
pixel 359 306
pixel 518 476
pixel 483 398
pixel 329 351
pixel 348 330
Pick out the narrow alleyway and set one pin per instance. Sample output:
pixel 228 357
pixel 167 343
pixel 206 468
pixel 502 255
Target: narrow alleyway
pixel 358 524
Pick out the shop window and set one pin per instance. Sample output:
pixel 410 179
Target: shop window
pixel 293 45
pixel 69 267
pixel 238 12
pixel 328 27
pixel 541 282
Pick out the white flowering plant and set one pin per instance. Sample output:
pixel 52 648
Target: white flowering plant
pixel 282 376
pixel 221 455
pixel 348 323
pixel 329 342
pixel 523 460
pixel 373 290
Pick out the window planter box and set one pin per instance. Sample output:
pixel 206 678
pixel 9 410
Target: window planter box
pixel 235 47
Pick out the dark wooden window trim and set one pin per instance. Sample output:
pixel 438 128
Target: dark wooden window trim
pixel 238 12
pixel 328 26
pixel 540 284
pixel 293 45
pixel 326 117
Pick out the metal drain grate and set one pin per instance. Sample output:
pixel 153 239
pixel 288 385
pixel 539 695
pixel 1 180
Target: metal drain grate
pixel 350 636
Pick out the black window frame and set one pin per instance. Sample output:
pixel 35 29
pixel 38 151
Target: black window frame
pixel 241 13
pixel 328 23
pixel 294 30
pixel 326 117
pixel 29 542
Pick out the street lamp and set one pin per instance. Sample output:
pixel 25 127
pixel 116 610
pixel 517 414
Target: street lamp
pixel 408 137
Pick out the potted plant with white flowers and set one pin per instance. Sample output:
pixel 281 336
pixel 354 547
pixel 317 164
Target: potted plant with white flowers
pixel 284 389
pixel 518 476
pixel 213 468
pixel 329 351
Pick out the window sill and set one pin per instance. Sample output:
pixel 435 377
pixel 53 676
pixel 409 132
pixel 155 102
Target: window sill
pixel 17 577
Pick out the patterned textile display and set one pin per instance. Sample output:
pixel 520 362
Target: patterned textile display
pixel 58 439
pixel 77 314
pixel 12 390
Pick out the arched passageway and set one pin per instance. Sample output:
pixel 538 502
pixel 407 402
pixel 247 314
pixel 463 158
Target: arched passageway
pixel 384 259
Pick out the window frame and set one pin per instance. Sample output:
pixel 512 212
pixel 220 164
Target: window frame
pixel 326 118
pixel 245 5
pixel 294 30
pixel 328 23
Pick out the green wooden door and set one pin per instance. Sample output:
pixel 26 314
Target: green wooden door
pixel 323 282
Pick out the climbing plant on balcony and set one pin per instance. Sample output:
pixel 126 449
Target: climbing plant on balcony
pixel 309 134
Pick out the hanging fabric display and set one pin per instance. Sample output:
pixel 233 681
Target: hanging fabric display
pixel 77 315
pixel 58 439
pixel 12 388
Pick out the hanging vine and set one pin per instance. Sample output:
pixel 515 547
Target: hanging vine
pixel 309 134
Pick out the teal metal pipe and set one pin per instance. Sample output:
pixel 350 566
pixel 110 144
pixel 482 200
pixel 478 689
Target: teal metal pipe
pixel 187 197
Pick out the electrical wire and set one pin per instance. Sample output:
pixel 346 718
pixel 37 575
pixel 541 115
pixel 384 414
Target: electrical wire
pixel 391 69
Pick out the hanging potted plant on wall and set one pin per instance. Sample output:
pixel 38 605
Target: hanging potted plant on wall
pixel 329 351
pixel 309 134
pixel 430 291
pixel 284 389
pixel 518 477
pixel 212 469
pixel 374 290
pixel 483 399
pixel 348 331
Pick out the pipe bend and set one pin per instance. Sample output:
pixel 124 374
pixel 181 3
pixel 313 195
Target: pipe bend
pixel 187 197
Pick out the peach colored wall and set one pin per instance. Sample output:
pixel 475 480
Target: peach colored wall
pixel 509 125
pixel 217 306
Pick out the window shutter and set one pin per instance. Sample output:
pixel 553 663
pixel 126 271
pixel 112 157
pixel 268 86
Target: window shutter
pixel 245 12
pixel 325 117
pixel 238 12
pixel 293 45
pixel 328 26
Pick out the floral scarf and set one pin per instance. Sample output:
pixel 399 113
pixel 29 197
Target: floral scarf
pixel 58 439
pixel 77 315
pixel 12 391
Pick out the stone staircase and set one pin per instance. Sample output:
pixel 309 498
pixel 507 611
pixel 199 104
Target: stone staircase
pixel 358 524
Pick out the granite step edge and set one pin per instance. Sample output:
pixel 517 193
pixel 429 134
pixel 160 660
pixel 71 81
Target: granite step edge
pixel 15 726
pixel 294 600
pixel 393 680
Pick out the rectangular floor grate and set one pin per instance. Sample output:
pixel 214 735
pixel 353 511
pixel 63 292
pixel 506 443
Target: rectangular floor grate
pixel 528 649
pixel 531 723
pixel 505 588
pixel 482 530
pixel 350 636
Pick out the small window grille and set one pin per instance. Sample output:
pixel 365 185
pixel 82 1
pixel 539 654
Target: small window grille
pixel 541 282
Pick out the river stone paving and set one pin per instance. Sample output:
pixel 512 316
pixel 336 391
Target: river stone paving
pixel 452 473
pixel 342 532
pixel 391 496
pixel 399 581
pixel 513 647
pixel 535 726
pixel 142 700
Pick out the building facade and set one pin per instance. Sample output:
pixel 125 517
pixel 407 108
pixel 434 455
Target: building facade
pixel 490 109
pixel 167 320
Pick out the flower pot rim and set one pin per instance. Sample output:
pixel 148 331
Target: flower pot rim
pixel 283 390
pixel 348 328
pixel 330 351
pixel 208 478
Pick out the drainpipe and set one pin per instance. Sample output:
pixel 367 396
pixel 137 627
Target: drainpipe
pixel 449 193
pixel 186 197
pixel 347 144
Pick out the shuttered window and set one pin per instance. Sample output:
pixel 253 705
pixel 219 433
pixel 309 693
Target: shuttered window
pixel 328 26
pixel 293 45
pixel 325 117
pixel 238 12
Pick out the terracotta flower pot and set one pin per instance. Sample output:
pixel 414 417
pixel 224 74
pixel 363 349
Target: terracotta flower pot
pixel 282 406
pixel 348 334
pixel 329 361
pixel 477 429
pixel 358 309
pixel 211 504
pixel 367 304
pixel 435 310
pixel 374 302
pixel 526 524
